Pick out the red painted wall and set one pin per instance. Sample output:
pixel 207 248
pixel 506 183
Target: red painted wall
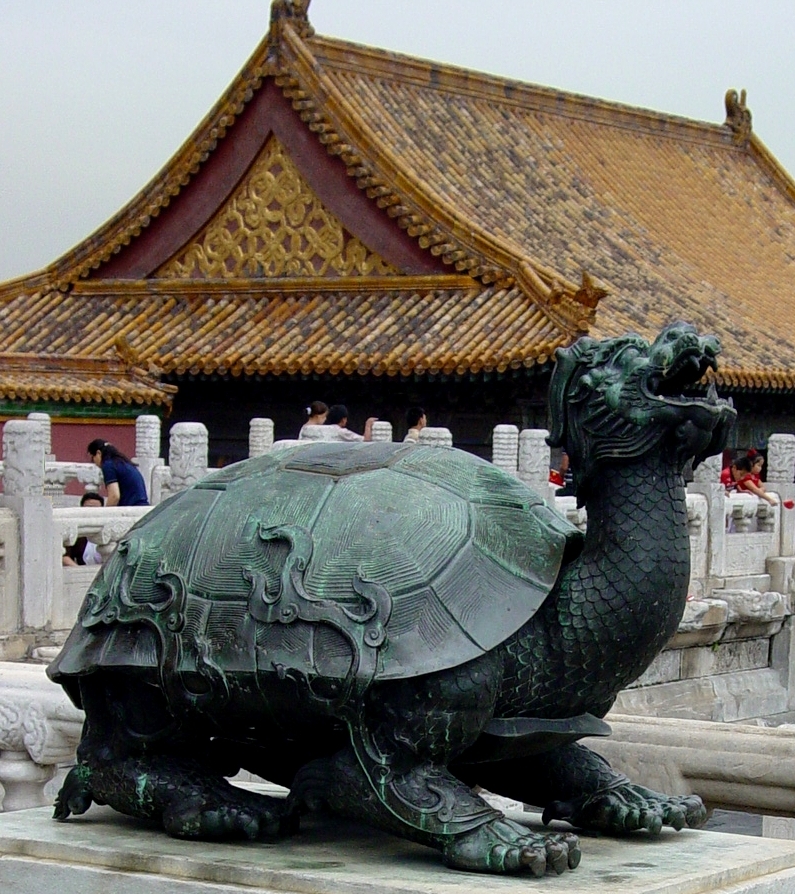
pixel 70 439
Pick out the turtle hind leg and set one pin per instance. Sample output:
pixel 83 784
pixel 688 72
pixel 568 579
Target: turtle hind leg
pixel 180 794
pixel 136 758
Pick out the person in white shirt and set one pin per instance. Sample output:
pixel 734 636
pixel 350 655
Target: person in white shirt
pixel 312 429
pixel 416 421
pixel 337 424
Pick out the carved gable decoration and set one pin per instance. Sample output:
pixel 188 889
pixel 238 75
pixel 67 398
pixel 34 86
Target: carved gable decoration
pixel 274 225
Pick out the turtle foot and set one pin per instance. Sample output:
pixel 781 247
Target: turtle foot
pixel 628 808
pixel 502 846
pixel 74 796
pixel 193 819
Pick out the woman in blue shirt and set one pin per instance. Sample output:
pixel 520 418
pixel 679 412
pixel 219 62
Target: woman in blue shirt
pixel 123 482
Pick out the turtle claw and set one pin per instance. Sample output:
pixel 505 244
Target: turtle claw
pixel 502 846
pixel 628 808
pixel 74 796
pixel 187 819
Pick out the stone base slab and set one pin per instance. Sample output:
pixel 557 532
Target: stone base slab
pixel 725 697
pixel 103 851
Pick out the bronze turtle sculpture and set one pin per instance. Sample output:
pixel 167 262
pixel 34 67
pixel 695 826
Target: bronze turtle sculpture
pixel 383 627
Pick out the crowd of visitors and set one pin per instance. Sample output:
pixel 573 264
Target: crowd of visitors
pixel 324 423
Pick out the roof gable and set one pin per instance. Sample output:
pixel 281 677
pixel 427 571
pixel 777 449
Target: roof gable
pixel 274 225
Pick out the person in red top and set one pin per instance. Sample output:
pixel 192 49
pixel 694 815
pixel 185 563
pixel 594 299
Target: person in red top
pixel 750 467
pixel 729 476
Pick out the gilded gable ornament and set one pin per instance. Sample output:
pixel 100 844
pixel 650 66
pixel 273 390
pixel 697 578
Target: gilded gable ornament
pixel 274 225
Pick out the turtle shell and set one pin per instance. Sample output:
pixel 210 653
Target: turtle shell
pixel 326 561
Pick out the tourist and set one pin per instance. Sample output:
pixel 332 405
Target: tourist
pixel 337 425
pixel 562 478
pixel 729 476
pixel 83 551
pixel 316 414
pixel 750 467
pixel 416 421
pixel 123 482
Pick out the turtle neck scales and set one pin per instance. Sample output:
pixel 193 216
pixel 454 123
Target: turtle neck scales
pixel 615 606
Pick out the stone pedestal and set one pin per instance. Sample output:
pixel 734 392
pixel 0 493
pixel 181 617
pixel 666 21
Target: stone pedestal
pixel 103 851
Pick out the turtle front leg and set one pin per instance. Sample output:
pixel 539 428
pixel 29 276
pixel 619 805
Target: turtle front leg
pixel 394 775
pixel 577 785
pixel 471 835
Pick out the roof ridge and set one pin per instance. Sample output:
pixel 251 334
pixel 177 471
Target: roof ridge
pixel 470 82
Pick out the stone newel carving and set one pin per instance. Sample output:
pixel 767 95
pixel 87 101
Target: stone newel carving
pixel 260 436
pixel 147 448
pixel 24 451
pixel 781 459
pixel 505 450
pixel 187 454
pixel 382 431
pixel 534 458
pixel 708 472
pixel 436 437
pixel 46 421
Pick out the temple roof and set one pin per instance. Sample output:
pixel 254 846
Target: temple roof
pixel 349 210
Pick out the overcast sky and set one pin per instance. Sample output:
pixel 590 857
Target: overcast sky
pixel 96 96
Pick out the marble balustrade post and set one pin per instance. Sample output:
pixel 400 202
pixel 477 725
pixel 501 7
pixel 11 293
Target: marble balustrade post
pixel 187 455
pixel 505 448
pixel 780 476
pixel 706 481
pixel 534 459
pixel 24 450
pixel 382 431
pixel 260 437
pixel 147 448
pixel 434 436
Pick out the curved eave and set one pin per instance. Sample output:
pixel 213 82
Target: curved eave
pixel 136 215
pixel 779 381
pixel 78 379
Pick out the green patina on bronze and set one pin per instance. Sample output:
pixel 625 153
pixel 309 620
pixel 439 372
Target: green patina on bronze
pixel 382 626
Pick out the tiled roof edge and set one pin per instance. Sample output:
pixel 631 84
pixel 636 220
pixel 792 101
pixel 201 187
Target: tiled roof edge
pixel 753 379
pixel 773 166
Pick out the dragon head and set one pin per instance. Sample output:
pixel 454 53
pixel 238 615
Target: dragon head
pixel 621 398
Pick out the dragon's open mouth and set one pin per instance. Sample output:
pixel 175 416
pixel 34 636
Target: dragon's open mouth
pixel 687 369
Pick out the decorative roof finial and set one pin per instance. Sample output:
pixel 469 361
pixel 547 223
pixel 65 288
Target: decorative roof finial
pixel 738 117
pixel 296 12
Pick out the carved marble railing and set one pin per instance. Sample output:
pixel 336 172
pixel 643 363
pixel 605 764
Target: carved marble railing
pixel 39 731
pixel 103 527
